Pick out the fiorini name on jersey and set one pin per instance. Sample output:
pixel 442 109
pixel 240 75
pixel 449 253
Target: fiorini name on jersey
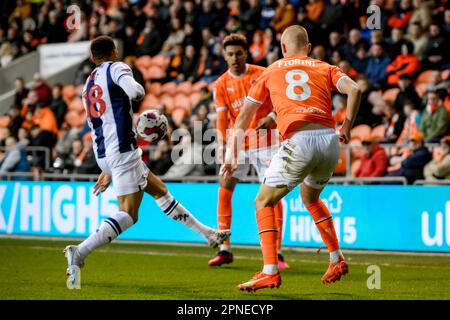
pixel 294 62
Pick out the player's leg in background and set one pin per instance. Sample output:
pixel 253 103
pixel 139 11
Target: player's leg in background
pixel 224 217
pixel 173 209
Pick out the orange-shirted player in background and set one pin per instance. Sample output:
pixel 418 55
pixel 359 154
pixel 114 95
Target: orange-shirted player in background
pixel 300 89
pixel 230 91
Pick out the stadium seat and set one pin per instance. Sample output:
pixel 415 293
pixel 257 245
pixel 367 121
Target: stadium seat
pixel 155 88
pixel 199 85
pixel 421 88
pixel 185 88
pixel 182 101
pixel 160 61
pixel 154 72
pixel 361 131
pixel 357 151
pixel 169 88
pixel 341 167
pixel 68 93
pixel 149 102
pixel 144 62
pixel 168 102
pixel 425 76
pixel 178 115
pixel 195 98
pixel 445 74
pixel 390 94
pixel 76 105
pixel 378 132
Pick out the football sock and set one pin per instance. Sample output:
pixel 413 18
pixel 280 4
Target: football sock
pixel 324 223
pixel 279 223
pixel 109 229
pixel 268 238
pixel 224 212
pixel 173 209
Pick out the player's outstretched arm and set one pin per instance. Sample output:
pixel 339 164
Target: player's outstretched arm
pixel 350 88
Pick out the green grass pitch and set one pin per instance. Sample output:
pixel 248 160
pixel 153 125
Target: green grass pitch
pixel 35 269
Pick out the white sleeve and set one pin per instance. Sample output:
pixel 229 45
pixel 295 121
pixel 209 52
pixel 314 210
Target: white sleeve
pixel 122 75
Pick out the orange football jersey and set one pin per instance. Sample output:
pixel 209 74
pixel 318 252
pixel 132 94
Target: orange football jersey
pixel 230 92
pixel 300 90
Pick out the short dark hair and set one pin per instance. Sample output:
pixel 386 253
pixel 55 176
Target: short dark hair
pixel 235 39
pixel 102 47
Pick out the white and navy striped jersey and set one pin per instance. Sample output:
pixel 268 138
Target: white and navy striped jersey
pixel 107 98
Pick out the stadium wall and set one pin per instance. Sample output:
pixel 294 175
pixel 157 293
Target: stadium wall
pixel 405 218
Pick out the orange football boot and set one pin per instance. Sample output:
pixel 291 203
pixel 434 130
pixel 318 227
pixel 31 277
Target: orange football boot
pixel 335 271
pixel 260 281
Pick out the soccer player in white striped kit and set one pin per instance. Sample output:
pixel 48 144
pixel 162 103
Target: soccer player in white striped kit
pixel 107 97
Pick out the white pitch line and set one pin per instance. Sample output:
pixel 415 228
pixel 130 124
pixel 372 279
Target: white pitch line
pixel 246 257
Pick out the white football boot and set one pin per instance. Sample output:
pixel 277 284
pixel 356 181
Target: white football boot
pixel 74 264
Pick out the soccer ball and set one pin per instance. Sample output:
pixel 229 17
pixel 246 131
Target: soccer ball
pixel 152 126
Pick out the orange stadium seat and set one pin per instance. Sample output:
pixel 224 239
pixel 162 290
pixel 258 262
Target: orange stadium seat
pixel 155 88
pixel 445 74
pixel 182 101
pixel 378 132
pixel 199 85
pixel 390 94
pixel 185 88
pixel 354 167
pixel 160 61
pixel 76 105
pixel 144 62
pixel 167 101
pixel 68 93
pixel 421 88
pixel 361 131
pixel 154 72
pixel 169 88
pixel 150 102
pixel 425 76
pixel 195 98
pixel 178 115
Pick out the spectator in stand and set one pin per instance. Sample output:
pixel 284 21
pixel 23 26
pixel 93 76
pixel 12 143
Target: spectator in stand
pixel 393 45
pixel 411 163
pixel 267 13
pixel 64 144
pixel 435 118
pixel 176 36
pixel 393 122
pixel 15 157
pixel 360 60
pixel 402 14
pixel 175 67
pixel 446 24
pixel 258 48
pixel 436 52
pixel 347 69
pixel 418 38
pixel 365 113
pixel 439 167
pixel 421 13
pixel 20 92
pixel 374 161
pixel 319 53
pixel 284 16
pixel 376 66
pixel 188 64
pixel 15 121
pixel 332 18
pixel 315 9
pixel 405 63
pixel 353 44
pixel 58 105
pixel 41 138
pixel 7 53
pixel 43 117
pixel 42 89
pixel 407 93
pixel 251 17
pixel 149 41
pixel 412 122
pixel 335 42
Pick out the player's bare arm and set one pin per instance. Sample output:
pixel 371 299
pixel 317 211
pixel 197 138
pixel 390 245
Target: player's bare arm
pixel 351 89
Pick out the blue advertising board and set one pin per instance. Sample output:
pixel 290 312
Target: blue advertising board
pixel 407 218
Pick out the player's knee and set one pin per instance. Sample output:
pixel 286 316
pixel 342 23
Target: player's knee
pixel 264 202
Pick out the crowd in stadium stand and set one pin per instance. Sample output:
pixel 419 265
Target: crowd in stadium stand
pixel 174 49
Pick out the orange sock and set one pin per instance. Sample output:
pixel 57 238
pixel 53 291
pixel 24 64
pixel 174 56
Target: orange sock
pixel 279 223
pixel 268 235
pixel 324 223
pixel 224 210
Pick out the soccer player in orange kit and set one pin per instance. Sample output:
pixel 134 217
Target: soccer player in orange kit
pixel 300 90
pixel 230 91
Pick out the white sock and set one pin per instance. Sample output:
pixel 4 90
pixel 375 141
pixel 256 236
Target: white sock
pixel 109 229
pixel 225 247
pixel 173 209
pixel 334 256
pixel 270 268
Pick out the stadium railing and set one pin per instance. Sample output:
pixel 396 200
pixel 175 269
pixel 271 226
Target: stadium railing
pixel 432 182
pixel 32 151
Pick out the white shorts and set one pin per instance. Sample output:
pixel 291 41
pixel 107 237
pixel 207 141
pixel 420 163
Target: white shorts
pixel 308 156
pixel 258 158
pixel 127 177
